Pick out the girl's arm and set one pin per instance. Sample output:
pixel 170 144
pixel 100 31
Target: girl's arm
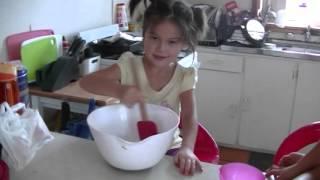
pixel 188 119
pixel 105 82
pixel 185 158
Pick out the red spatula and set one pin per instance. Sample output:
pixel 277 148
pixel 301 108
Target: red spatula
pixel 146 127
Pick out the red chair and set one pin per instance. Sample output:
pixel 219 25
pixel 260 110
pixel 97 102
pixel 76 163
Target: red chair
pixel 4 169
pixel 297 140
pixel 206 149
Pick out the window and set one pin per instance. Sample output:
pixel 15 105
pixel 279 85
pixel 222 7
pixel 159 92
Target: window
pixel 301 13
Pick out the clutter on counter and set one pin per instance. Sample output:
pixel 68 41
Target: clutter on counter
pixel 13 83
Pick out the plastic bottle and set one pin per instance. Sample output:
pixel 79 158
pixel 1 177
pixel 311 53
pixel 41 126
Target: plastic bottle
pixel 121 16
pixel 22 81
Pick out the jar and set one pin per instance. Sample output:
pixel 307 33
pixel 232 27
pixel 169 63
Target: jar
pixel 9 91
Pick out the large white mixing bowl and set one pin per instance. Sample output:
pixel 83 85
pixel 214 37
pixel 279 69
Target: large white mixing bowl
pixel 115 132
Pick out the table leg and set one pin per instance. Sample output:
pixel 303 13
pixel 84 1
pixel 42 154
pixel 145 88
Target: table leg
pixel 36 104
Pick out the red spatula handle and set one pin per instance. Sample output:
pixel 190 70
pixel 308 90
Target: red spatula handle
pixel 143 111
pixel 145 127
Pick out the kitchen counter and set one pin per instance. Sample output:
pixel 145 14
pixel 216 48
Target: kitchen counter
pixel 71 158
pixel 73 92
pixel 77 97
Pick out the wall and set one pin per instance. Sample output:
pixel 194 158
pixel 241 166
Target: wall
pixel 68 16
pixel 63 16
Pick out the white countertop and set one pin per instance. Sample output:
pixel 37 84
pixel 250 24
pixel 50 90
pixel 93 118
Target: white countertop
pixel 71 158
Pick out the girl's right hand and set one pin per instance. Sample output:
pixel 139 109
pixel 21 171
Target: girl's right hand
pixel 130 95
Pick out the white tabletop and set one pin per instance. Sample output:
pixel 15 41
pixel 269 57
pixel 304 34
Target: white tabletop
pixel 71 158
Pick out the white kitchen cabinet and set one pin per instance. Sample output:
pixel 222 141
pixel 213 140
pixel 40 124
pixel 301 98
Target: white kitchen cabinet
pixel 267 102
pixel 218 95
pixel 307 101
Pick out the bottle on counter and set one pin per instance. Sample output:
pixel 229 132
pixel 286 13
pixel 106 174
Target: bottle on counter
pixel 121 16
pixel 22 81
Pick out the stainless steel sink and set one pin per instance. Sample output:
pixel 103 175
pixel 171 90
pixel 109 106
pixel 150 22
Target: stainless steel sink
pixel 301 50
pixel 293 52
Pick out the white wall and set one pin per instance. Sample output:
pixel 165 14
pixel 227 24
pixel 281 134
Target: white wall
pixel 63 16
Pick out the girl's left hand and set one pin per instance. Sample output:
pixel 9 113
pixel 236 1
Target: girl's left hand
pixel 187 161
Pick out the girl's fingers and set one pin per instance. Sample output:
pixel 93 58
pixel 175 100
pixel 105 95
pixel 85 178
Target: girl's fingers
pixel 182 164
pixel 187 167
pixel 198 166
pixel 193 166
pixel 176 161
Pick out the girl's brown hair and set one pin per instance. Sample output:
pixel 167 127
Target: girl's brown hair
pixel 189 20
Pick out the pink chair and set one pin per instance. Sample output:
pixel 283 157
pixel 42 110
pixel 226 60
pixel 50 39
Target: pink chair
pixel 297 140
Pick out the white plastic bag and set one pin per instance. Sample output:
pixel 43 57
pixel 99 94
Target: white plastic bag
pixel 21 135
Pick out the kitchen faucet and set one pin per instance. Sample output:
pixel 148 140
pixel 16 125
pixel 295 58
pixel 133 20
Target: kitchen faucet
pixel 307 35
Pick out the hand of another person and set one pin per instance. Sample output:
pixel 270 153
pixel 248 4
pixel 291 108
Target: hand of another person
pixel 187 161
pixel 130 95
pixel 290 159
pixel 282 173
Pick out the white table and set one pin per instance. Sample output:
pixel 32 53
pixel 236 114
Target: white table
pixel 71 158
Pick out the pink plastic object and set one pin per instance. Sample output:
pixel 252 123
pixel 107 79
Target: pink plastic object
pixel 4 171
pixel 298 139
pixel 206 149
pixel 240 171
pixel 14 41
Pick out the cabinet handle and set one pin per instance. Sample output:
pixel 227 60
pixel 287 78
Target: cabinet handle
pixel 233 109
pixel 295 73
pixel 244 105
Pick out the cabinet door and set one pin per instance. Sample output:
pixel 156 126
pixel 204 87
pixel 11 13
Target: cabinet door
pixel 218 95
pixel 307 102
pixel 268 101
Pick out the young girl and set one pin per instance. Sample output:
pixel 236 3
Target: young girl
pixel 168 27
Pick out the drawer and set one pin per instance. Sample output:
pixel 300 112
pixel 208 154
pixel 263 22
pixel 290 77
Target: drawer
pixel 220 62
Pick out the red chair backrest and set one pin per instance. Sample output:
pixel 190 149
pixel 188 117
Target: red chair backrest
pixel 206 149
pixel 297 140
pixel 4 171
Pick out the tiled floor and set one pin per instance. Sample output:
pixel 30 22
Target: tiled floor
pixel 260 160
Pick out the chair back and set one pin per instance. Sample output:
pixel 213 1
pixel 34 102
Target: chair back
pixel 206 148
pixel 297 140
pixel 4 169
